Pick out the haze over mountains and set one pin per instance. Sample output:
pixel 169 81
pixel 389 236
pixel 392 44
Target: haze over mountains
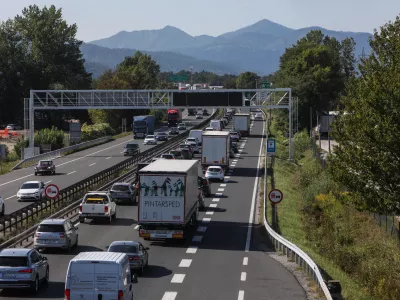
pixel 256 48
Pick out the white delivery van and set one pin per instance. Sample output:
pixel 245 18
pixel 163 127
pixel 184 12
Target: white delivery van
pixel 99 275
pixel 216 124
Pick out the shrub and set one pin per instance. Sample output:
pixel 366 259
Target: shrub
pixel 53 137
pixel 18 148
pixel 92 132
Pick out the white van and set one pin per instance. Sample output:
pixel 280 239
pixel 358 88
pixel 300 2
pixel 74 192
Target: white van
pixel 196 134
pixel 216 124
pixel 99 275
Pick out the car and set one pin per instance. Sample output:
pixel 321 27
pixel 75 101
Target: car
pixel 122 192
pixel 176 153
pixel 205 112
pixel 186 154
pixel 202 202
pixel 193 140
pixel 234 147
pixel 174 130
pixel 162 136
pixel 137 253
pixel 187 146
pixel 205 185
pixel 2 207
pixel 214 173
pixel 231 153
pixel 258 116
pixel 14 127
pixel 198 116
pixel 194 146
pixel 23 268
pixel 209 129
pixel 45 167
pixel 150 140
pixel 234 136
pixel 225 120
pixel 182 126
pixel 131 149
pixel 56 233
pixel 31 190
pixel 167 156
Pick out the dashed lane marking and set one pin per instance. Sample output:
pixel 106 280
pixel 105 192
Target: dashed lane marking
pixel 197 238
pixel 71 172
pixel 222 185
pixel 201 229
pixel 136 227
pixel 243 276
pixel 218 194
pixel 213 205
pixel 11 197
pixel 240 295
pixel 92 164
pixel 215 200
pixel 185 263
pixel 221 190
pixel 169 296
pixel 227 177
pixel 108 157
pixel 245 261
pixel 206 220
pixel 209 213
pixel 48 181
pixel 192 249
pixel 178 278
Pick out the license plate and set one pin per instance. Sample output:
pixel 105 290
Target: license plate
pixel 5 275
pixel 159 235
pixel 121 194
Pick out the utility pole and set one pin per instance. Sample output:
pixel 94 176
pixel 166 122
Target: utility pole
pixel 191 75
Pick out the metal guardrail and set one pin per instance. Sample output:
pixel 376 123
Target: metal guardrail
pixel 60 152
pixel 69 195
pixel 291 250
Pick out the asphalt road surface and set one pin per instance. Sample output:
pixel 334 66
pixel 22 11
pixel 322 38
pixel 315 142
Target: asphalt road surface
pixel 72 168
pixel 221 260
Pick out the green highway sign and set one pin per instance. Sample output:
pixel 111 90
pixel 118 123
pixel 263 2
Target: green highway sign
pixel 177 78
pixel 266 85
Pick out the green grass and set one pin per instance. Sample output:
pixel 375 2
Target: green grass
pixel 6 166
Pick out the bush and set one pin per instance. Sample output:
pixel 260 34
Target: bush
pixel 53 137
pixel 18 148
pixel 92 132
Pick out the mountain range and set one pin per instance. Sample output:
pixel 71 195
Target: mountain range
pixel 255 48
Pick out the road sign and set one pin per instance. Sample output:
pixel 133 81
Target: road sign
pixel 275 196
pixel 266 85
pixel 177 78
pixel 271 146
pixel 52 191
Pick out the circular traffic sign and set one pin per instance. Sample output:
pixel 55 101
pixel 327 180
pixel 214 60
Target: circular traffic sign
pixel 275 196
pixel 52 191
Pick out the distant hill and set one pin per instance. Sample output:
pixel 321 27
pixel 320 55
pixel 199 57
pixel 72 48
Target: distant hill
pixel 256 48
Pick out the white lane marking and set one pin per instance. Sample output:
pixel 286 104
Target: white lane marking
pixel 15 180
pixel 218 194
pixel 240 295
pixel 243 276
pixel 215 200
pixel 185 263
pixel 136 227
pixel 202 229
pixel 92 164
pixel 221 190
pixel 222 185
pixel 192 249
pixel 209 213
pixel 227 177
pixel 11 197
pixel 197 238
pixel 235 161
pixel 178 278
pixel 108 157
pixel 71 172
pixel 48 181
pixel 122 152
pixel 253 200
pixel 206 220
pixel 245 261
pixel 169 296
pixel 76 224
pixel 213 205
pixel 240 150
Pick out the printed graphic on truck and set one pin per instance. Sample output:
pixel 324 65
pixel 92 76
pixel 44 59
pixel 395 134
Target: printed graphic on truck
pixel 162 198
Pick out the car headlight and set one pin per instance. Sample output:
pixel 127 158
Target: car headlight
pixel 18 194
pixel 48 168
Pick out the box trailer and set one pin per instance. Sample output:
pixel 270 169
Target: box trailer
pixel 168 199
pixel 215 149
pixel 241 123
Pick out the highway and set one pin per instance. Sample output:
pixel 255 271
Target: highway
pixel 72 168
pixel 222 260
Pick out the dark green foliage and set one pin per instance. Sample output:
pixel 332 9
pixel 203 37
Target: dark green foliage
pixel 91 132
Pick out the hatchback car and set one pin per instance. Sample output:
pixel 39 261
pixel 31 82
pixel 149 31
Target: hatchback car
pixel 186 154
pixel 234 136
pixel 45 167
pixel 122 192
pixel 176 153
pixel 131 148
pixel 136 252
pixel 31 190
pixel 199 116
pixel 23 268
pixel 162 136
pixel 150 140
pixel 56 233
pixel 182 126
pixel 258 116
pixel 215 173
pixel 174 131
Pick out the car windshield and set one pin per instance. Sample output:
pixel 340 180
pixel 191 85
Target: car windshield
pixel 131 146
pixel 150 137
pixel 50 228
pixel 214 169
pixel 13 261
pixel 28 186
pixel 45 163
pixel 123 248
pixel 120 188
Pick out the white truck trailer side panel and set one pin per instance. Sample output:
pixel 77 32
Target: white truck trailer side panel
pixel 215 150
pixel 240 123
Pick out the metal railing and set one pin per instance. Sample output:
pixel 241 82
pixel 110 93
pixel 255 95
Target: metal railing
pixel 291 250
pixel 69 196
pixel 60 152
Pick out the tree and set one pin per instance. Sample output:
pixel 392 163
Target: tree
pixel 247 80
pixel 367 159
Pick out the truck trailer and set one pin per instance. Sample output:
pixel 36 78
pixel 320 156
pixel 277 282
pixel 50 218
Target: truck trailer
pixel 241 123
pixel 142 126
pixel 174 116
pixel 215 149
pixel 168 199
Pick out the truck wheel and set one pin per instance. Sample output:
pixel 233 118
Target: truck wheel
pixel 114 216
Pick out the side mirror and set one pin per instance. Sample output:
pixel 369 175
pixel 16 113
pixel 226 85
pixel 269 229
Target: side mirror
pixel 44 258
pixel 135 278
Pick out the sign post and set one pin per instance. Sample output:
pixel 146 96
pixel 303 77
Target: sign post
pixel 51 191
pixel 275 196
pixel 271 146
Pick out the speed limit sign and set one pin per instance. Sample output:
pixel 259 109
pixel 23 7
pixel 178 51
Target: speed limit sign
pixel 52 191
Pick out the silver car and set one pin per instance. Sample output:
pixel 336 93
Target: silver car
pixel 137 253
pixel 56 233
pixel 123 192
pixel 23 268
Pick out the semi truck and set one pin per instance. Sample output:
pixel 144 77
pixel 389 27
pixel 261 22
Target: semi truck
pixel 241 123
pixel 142 126
pixel 168 199
pixel 215 149
pixel 174 116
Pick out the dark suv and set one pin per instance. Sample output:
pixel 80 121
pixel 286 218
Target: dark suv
pixel 131 149
pixel 45 167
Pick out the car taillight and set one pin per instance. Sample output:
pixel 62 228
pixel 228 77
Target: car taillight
pixel 80 207
pixel 120 295
pixel 25 271
pixel 134 258
pixel 106 209
pixel 62 235
pixel 67 294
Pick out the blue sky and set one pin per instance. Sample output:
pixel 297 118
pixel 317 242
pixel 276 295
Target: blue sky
pixel 102 18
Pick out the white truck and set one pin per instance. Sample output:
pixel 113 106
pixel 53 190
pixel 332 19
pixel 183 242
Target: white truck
pixel 196 134
pixel 168 199
pixel 241 123
pixel 216 148
pixel 97 205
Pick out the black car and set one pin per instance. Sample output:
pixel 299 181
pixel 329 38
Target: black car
pixel 45 167
pixel 131 148
pixel 234 147
pixel 162 136
pixel 173 130
pixel 205 112
pixel 177 153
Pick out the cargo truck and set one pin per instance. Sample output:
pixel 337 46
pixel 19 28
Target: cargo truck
pixel 215 149
pixel 241 123
pixel 168 199
pixel 142 126
pixel 174 116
